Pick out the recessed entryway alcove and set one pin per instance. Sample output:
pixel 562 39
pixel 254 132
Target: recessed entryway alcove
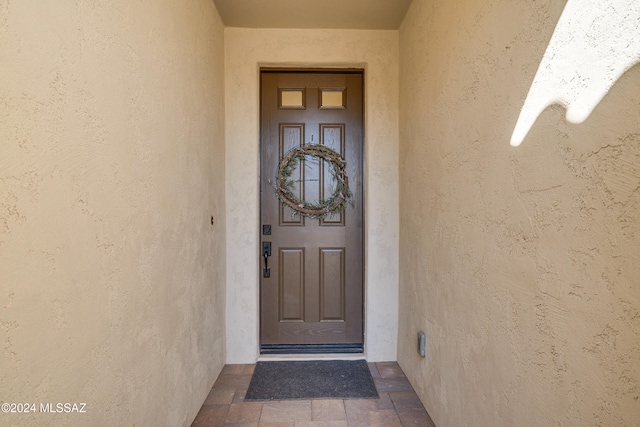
pixel 375 52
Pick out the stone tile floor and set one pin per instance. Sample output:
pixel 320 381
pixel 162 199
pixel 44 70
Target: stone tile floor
pixel 398 405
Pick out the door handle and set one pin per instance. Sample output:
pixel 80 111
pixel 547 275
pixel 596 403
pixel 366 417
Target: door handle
pixel 266 253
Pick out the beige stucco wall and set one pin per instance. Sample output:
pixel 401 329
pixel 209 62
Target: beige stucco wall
pixel 522 265
pixel 375 51
pixel 111 165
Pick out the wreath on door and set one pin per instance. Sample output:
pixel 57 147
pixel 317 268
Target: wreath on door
pixel 285 185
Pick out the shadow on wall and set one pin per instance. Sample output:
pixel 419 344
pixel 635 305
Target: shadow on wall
pixel 594 43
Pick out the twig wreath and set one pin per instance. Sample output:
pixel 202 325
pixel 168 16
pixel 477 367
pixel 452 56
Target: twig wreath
pixel 284 185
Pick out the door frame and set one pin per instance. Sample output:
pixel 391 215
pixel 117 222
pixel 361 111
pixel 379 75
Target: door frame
pixel 291 350
pixel 246 51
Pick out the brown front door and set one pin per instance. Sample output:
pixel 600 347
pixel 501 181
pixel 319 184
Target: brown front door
pixel 311 286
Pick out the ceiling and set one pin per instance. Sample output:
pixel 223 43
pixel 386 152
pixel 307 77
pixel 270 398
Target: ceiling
pixel 343 14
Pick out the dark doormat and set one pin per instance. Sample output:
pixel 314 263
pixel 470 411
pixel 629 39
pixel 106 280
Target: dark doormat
pixel 326 379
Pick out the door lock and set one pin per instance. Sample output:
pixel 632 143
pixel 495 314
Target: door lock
pixel 266 253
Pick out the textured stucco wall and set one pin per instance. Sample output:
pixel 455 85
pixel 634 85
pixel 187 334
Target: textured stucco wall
pixel 375 51
pixel 522 265
pixel 111 165
pixel 594 43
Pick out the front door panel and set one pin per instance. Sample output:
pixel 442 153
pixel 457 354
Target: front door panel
pixel 311 286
